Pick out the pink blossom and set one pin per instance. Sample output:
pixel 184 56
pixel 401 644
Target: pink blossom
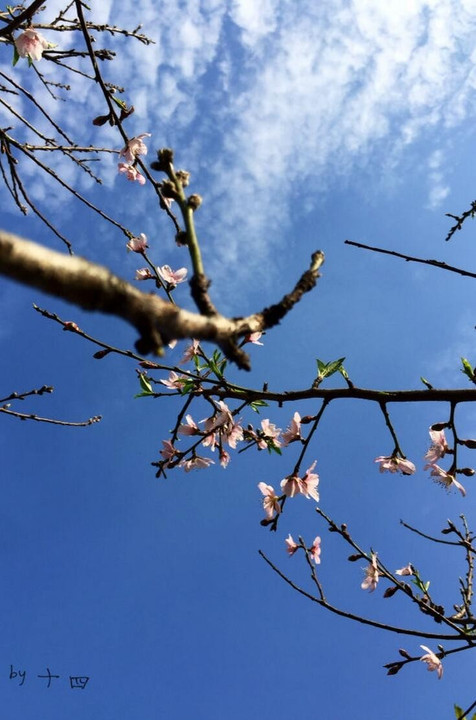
pixel 167 202
pixel 439 447
pixel 226 428
pixel 224 458
pixel 395 464
pixel 292 485
pixel 293 432
pixel 196 463
pixel 172 277
pixel 371 575
pixel 433 662
pixel 191 351
pixel 135 146
pixel 291 545
pixel 254 338
pixel 168 452
pixel 138 244
pixel 31 44
pixel 174 381
pixel 407 570
pixel 233 435
pixel 131 173
pixel 143 274
pixel 270 435
pixel 270 501
pixel 191 428
pixel 315 550
pixel 211 441
pixel 309 483
pixel 445 478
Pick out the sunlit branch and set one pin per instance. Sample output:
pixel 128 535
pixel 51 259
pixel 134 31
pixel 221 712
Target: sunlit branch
pixel 51 421
pixel 93 287
pixel 21 396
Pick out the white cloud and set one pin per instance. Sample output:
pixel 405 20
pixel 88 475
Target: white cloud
pixel 266 100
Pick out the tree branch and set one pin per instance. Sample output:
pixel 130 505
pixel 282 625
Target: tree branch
pixel 94 287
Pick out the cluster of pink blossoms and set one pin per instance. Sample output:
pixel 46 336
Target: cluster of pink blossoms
pixel 220 429
pixel 291 486
pixel 267 437
pixel 438 449
pixel 31 44
pixel 314 551
pixel 135 147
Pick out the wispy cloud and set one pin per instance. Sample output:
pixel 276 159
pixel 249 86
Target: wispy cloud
pixel 266 100
pixel 269 101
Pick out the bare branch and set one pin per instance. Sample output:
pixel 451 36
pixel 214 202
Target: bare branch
pixel 409 258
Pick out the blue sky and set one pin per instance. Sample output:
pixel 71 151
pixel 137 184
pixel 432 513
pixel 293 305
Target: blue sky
pixel 301 129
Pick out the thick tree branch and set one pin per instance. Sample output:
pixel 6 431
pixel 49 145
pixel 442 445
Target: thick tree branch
pixel 94 287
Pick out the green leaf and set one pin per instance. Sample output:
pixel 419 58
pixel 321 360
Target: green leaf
pixel 257 404
pixel 334 367
pixel 320 366
pixel 468 370
pixel 426 383
pixel 119 102
pixel 145 385
pixel 16 56
pixel 328 369
pixel 344 373
pixel 187 387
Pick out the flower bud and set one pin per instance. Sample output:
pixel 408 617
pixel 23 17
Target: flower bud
pixel 148 364
pixel 71 326
pixel 439 426
pixel 390 591
pixel 101 119
pixel 167 189
pixel 183 176
pixel 468 472
pixel 469 444
pixel 126 111
pixel 181 238
pixel 101 353
pixel 194 202
pixel 165 158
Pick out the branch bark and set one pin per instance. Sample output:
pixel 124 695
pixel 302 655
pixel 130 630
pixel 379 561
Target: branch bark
pixel 94 287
